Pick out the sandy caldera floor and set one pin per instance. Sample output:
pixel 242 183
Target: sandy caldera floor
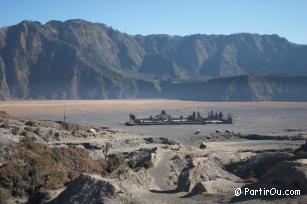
pixel 51 107
pixel 249 117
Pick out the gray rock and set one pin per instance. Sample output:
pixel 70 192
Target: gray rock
pixel 89 189
pixel 286 175
pixel 202 169
pixel 142 158
pixel 137 180
pixel 202 145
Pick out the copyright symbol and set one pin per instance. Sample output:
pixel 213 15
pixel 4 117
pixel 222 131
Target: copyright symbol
pixel 238 192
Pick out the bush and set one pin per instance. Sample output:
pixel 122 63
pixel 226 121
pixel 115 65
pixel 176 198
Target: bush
pixel 31 123
pixel 148 164
pixel 37 131
pixel 188 156
pixel 24 133
pixel 132 164
pixel 16 130
pixel 28 129
pixel 50 132
pixel 5 124
pixel 57 134
pixel 114 161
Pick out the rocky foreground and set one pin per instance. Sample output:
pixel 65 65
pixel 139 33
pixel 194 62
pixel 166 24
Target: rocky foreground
pixel 56 162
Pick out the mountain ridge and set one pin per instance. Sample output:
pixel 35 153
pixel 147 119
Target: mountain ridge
pixel 78 59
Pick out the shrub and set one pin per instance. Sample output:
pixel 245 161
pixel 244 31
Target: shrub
pixel 16 130
pixel 28 129
pixel 148 164
pixel 114 161
pixel 57 135
pixel 5 124
pixel 132 164
pixel 188 156
pixel 24 133
pixel 37 131
pixel 31 123
pixel 50 132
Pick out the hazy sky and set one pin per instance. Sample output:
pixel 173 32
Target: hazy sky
pixel 287 18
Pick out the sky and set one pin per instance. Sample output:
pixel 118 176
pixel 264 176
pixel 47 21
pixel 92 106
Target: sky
pixel 287 18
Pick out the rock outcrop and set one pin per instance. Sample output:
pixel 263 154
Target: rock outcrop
pixel 257 165
pixel 134 180
pixel 286 175
pixel 93 190
pixel 121 186
pixel 202 169
pixel 142 158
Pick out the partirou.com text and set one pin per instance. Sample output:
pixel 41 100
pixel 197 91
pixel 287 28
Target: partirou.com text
pixel 266 192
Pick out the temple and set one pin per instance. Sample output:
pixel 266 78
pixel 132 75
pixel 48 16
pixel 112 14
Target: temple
pixel 195 118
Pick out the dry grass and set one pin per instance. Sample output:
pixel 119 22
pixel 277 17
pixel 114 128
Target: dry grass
pixel 36 167
pixel 4 195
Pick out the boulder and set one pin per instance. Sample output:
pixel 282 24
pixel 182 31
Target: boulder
pixel 202 145
pixel 142 158
pixel 92 146
pixel 92 130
